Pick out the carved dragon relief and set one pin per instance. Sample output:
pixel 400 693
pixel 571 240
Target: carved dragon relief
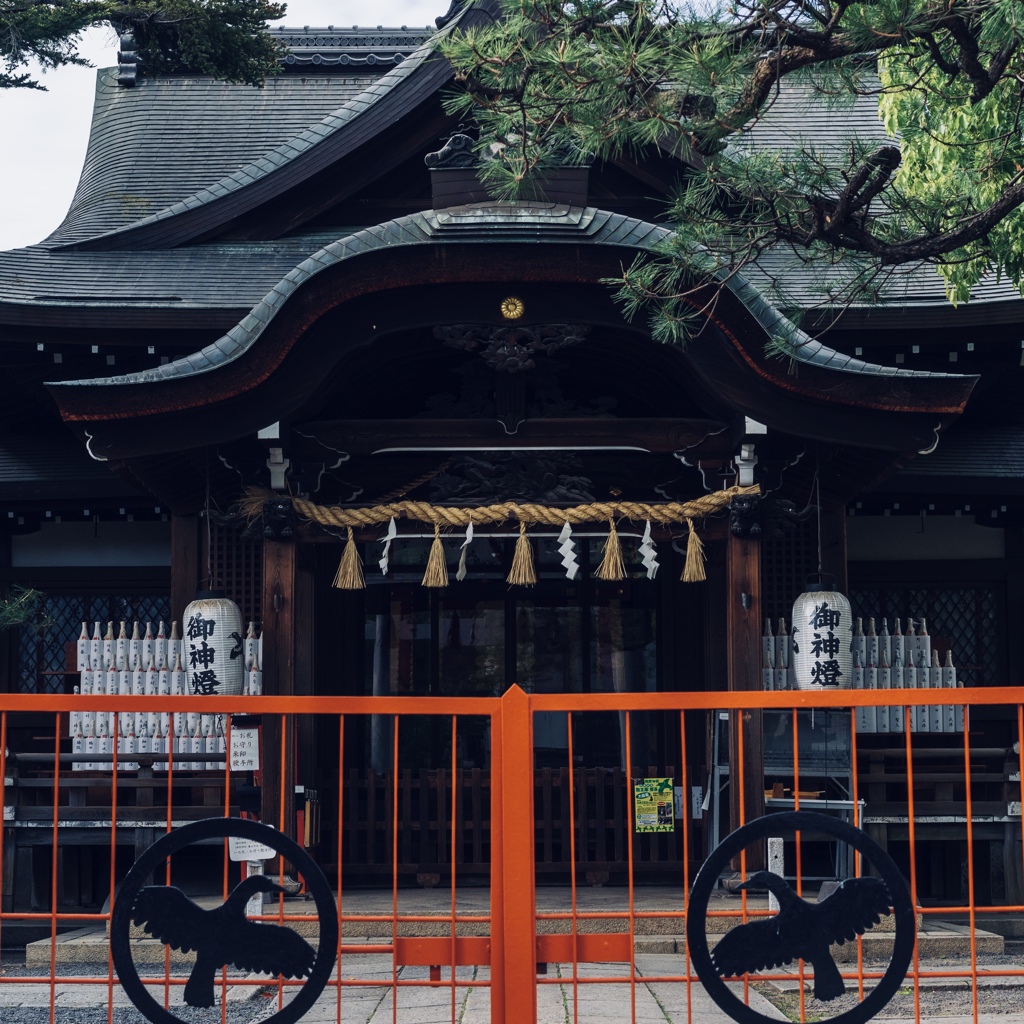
pixel 511 349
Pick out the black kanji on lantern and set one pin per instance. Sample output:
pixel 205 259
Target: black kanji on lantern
pixel 205 682
pixel 827 645
pixel 826 673
pixel 825 617
pixel 202 656
pixel 199 628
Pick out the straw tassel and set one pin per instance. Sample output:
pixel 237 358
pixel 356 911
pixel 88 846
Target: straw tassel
pixel 612 567
pixel 436 574
pixel 523 573
pixel 350 569
pixel 693 571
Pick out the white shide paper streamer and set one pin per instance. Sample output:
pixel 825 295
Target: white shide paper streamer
pixel 649 552
pixel 567 549
pixel 388 538
pixel 461 574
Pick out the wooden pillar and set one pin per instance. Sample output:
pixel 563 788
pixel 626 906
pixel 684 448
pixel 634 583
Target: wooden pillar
pixel 743 670
pixel 1014 540
pixel 186 559
pixel 287 669
pixel 8 637
pixel 302 644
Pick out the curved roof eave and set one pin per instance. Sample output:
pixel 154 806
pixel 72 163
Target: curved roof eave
pixel 138 394
pixel 293 161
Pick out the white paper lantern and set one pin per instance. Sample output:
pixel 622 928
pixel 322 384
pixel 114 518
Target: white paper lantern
pixel 213 645
pixel 822 636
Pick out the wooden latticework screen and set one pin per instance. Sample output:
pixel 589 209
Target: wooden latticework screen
pixel 238 567
pixel 785 564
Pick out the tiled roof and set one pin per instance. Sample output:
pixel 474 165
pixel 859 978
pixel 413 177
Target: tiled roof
pixel 494 224
pixel 226 275
pixel 972 451
pixel 166 139
pixel 912 285
pixel 292 149
pixel 176 145
pixel 799 117
pixel 52 464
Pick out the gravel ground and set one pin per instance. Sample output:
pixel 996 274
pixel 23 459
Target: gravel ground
pixel 934 1003
pixel 13 965
pixel 946 997
pixel 240 1014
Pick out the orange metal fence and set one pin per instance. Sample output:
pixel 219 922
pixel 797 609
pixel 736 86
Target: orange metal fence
pixel 505 950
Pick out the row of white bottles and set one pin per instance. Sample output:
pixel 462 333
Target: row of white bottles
pixel 881 661
pixel 186 741
pixel 914 647
pixel 902 661
pixel 151 732
pixel 147 650
pixel 776 658
pixel 106 652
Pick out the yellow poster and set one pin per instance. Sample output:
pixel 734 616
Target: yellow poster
pixel 653 805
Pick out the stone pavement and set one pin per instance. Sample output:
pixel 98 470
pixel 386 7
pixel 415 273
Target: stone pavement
pixel 374 1002
pixel 655 1002
pixel 652 1002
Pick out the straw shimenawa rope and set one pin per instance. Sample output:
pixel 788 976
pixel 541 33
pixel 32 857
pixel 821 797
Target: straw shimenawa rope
pixel 350 574
pixel 529 514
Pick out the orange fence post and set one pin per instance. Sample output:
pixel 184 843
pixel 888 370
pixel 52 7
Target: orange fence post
pixel 514 1000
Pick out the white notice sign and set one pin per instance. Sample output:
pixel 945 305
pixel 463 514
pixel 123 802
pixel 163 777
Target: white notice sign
pixel 245 750
pixel 248 849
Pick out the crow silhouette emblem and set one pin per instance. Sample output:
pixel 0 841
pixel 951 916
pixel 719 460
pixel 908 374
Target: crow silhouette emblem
pixel 802 930
pixel 221 937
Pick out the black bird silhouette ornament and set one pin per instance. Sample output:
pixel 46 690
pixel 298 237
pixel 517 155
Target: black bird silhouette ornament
pixel 802 930
pixel 222 936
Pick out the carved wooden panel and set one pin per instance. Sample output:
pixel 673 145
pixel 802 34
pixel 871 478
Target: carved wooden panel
pixel 786 562
pixel 237 566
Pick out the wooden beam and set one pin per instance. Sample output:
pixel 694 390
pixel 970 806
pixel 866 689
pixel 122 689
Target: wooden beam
pixel 369 437
pixel 743 670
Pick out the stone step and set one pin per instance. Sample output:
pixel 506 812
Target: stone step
pixel 1009 925
pixel 995 976
pixel 937 940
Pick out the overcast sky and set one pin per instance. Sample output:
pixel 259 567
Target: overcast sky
pixel 47 132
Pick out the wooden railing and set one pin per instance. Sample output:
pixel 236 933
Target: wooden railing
pixel 426 839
